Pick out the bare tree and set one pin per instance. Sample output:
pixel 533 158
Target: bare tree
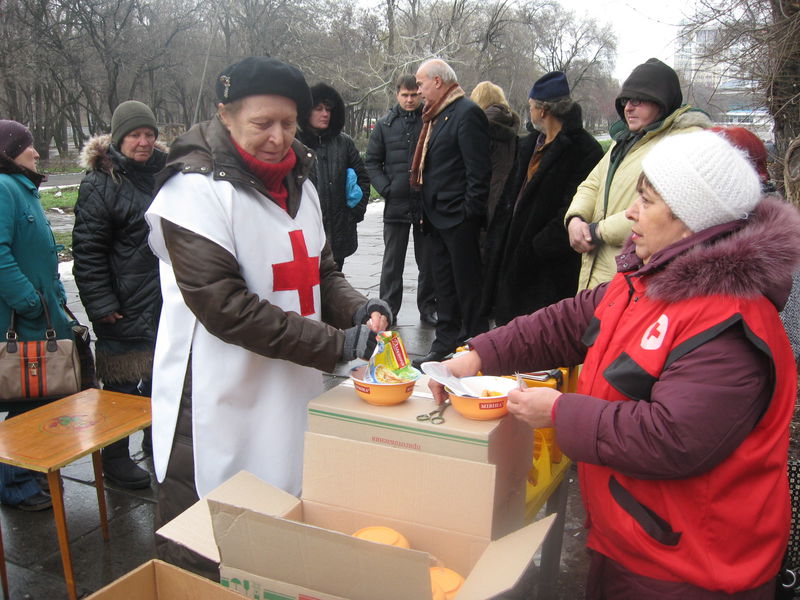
pixel 758 41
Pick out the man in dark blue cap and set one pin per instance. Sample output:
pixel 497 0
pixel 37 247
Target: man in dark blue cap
pixel 534 265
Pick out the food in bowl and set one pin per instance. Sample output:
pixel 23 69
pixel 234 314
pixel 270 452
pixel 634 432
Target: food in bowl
pixel 380 394
pixel 491 404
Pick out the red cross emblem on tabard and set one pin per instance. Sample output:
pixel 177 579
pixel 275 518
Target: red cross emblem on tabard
pixel 300 274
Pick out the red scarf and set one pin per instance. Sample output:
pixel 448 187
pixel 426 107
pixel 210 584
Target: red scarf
pixel 429 113
pixel 272 175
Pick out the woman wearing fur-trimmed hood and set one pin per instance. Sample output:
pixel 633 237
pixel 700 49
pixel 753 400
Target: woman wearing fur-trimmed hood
pixel 680 423
pixel 335 154
pixel 115 270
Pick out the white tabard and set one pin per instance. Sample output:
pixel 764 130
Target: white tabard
pixel 248 411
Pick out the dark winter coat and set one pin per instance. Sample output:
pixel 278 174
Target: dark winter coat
pixel 534 265
pixel 503 129
pixel 457 167
pixel 388 160
pixel 336 152
pixel 114 269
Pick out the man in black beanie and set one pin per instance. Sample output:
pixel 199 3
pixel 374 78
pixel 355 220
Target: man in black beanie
pixel 649 104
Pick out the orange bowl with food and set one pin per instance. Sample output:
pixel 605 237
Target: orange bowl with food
pixel 491 403
pixel 380 394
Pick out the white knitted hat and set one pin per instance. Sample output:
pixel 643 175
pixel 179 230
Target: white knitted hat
pixel 703 179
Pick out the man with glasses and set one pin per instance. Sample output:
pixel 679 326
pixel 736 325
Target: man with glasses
pixel 649 105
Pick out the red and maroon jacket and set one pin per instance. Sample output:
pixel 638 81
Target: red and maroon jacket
pixel 681 423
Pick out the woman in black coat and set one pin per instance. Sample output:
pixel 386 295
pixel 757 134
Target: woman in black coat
pixel 534 265
pixel 115 271
pixel 336 152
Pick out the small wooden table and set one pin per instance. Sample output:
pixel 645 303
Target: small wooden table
pixel 50 437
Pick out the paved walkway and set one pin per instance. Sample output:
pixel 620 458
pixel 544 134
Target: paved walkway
pixel 32 555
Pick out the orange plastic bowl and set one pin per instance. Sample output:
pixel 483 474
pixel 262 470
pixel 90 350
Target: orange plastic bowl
pixel 446 580
pixel 380 394
pixel 483 409
pixel 383 535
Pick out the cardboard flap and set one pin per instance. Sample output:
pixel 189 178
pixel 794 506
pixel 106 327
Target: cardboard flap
pixel 193 529
pixel 316 558
pixel 504 560
pixel 440 491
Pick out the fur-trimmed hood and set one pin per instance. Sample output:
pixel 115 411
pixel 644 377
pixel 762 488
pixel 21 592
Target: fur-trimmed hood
pixel 322 92
pixel 96 155
pixel 745 260
pixel 503 122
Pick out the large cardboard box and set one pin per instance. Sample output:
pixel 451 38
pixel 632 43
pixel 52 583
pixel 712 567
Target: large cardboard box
pixel 443 505
pixel 157 580
pixel 505 443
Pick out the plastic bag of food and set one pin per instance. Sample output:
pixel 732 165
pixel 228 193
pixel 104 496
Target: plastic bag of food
pixel 390 362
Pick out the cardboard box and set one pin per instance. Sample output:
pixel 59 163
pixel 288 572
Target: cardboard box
pixel 505 443
pixel 157 580
pixel 441 504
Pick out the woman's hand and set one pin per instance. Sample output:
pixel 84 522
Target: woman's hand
pixel 377 322
pixel 463 365
pixel 111 318
pixel 533 405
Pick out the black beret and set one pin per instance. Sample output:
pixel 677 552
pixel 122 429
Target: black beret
pixel 262 75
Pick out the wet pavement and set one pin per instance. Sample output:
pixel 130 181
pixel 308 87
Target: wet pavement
pixel 31 548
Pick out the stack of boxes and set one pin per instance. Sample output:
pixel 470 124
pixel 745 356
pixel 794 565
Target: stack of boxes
pixel 456 491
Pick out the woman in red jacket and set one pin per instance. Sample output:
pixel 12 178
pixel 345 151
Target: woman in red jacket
pixel 681 421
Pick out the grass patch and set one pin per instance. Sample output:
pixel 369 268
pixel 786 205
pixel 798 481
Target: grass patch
pixel 67 199
pixel 606 144
pixel 64 238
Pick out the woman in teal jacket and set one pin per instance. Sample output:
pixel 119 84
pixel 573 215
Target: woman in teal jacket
pixel 28 272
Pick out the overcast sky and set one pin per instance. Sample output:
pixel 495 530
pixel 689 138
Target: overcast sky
pixel 644 28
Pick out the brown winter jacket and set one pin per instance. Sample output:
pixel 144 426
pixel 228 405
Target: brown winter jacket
pixel 218 295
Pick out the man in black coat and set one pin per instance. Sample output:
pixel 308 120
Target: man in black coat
pixel 535 265
pixel 452 167
pixel 388 160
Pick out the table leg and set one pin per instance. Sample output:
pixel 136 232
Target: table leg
pixel 551 549
pixel 3 572
pixel 101 492
pixel 57 494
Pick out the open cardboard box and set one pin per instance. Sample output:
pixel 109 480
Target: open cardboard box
pixel 441 504
pixel 157 580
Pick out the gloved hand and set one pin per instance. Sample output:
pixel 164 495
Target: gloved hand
pixel 365 311
pixel 359 342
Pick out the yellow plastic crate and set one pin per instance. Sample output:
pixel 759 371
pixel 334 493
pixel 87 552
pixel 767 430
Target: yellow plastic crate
pixel 549 463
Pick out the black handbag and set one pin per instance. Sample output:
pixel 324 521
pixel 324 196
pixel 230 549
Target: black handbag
pixel 38 370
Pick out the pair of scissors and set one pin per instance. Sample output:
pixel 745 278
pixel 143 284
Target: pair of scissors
pixel 435 416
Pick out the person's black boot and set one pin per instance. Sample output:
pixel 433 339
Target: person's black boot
pixel 147 442
pixel 119 468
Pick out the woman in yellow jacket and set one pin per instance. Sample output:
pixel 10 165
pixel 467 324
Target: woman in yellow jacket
pixel 650 105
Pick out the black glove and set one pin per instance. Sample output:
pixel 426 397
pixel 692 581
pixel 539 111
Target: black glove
pixel 364 312
pixel 359 342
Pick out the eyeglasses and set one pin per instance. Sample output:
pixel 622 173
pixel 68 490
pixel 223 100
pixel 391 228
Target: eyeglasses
pixel 633 101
